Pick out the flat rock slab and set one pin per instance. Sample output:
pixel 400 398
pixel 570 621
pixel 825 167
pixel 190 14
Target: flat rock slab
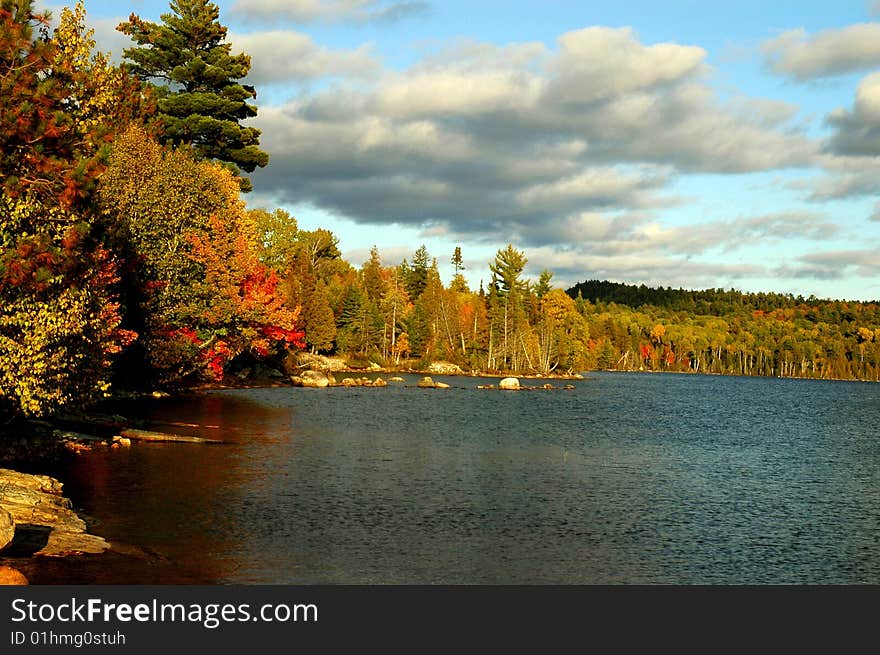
pixel 45 524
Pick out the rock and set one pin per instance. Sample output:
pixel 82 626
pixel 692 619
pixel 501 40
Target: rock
pixel 321 363
pixel 396 379
pixel 7 528
pixel 511 384
pixel 348 382
pixel 11 576
pixel 485 386
pixel 444 368
pixel 441 385
pixel 379 382
pixel 314 379
pixel 39 510
pixel 426 383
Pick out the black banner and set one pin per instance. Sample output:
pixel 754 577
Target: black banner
pixel 551 619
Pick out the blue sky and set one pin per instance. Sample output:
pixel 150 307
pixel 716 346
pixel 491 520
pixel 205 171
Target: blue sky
pixel 688 144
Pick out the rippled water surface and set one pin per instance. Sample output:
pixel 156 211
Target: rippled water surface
pixel 629 478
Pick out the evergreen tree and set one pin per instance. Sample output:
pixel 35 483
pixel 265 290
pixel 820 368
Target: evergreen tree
pixel 201 101
pixel 458 282
pixel 374 284
pixel 418 273
pixel 320 324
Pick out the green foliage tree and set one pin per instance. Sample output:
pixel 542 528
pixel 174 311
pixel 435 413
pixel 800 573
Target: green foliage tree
pixel 201 101
pixel 320 324
pixel 416 274
pixel 277 238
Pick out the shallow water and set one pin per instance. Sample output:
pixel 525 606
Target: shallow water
pixel 629 478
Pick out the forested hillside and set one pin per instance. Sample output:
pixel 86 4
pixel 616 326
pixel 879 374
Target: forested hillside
pixel 720 331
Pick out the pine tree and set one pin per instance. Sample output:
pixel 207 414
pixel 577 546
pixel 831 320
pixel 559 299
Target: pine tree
pixel 458 282
pixel 320 324
pixel 200 100
pixel 418 273
pixel 374 284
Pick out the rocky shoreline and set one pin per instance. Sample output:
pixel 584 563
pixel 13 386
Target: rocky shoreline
pixel 36 520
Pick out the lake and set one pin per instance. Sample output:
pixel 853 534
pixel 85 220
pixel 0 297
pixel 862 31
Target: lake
pixel 627 479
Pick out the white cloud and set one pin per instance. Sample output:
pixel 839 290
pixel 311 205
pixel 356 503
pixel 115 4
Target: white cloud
pixel 800 56
pixel 281 56
pixel 857 132
pixel 497 140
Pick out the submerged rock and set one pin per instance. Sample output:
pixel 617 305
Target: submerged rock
pixel 426 383
pixel 511 384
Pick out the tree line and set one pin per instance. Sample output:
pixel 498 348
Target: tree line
pixel 729 332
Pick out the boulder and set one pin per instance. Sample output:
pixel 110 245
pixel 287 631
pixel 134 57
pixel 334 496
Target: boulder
pixel 511 384
pixel 315 379
pixel 441 385
pixel 444 368
pixel 7 528
pixel 396 379
pixel 320 363
pixel 426 383
pixel 348 382
pixel 11 576
pixel 379 382
pixel 38 509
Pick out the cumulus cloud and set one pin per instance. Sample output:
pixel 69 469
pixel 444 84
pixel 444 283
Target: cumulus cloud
pixel 801 56
pixel 280 56
pixel 310 11
pixel 857 132
pixel 834 265
pixel 520 142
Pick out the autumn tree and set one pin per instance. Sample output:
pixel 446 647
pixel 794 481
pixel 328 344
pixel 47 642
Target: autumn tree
pixel 201 100
pixel 60 322
pixel 203 295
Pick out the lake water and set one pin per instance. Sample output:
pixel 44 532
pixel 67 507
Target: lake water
pixel 628 478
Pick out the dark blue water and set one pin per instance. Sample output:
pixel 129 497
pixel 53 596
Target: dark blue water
pixel 629 478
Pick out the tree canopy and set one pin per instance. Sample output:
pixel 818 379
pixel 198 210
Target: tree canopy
pixel 201 101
